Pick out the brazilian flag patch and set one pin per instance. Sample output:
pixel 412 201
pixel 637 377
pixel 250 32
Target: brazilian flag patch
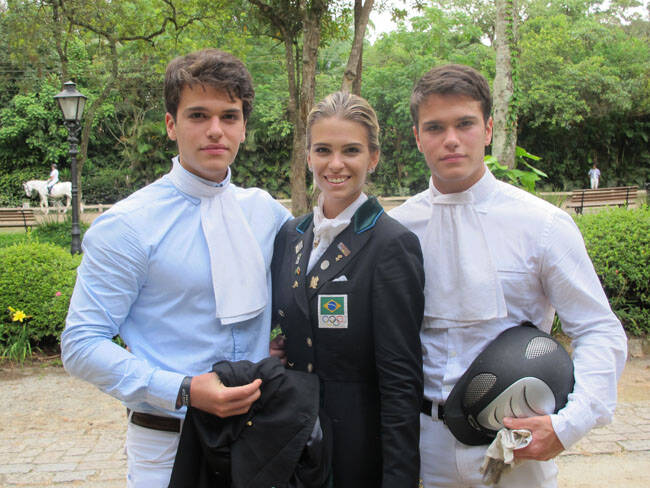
pixel 333 311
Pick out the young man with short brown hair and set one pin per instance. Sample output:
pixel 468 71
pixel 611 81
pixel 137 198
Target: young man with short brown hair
pixel 496 256
pixel 180 270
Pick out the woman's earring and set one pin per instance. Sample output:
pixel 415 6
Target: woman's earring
pixel 310 169
pixel 371 170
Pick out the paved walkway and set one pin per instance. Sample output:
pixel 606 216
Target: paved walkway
pixel 58 431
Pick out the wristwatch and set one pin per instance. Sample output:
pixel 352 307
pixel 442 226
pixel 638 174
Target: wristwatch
pixel 183 398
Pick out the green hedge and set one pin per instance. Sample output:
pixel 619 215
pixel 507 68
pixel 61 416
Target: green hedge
pixel 38 279
pixel 618 242
pixel 106 185
pixel 12 193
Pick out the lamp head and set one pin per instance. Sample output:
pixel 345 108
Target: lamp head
pixel 71 101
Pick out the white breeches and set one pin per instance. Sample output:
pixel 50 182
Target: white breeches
pixel 150 456
pixel 445 462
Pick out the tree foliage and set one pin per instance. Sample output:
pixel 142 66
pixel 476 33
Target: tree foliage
pixel 583 78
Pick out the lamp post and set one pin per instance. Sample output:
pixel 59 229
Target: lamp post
pixel 72 105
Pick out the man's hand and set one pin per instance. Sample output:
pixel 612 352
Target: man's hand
pixel 277 349
pixel 545 444
pixel 209 394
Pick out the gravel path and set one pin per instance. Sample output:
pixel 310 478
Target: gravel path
pixel 58 431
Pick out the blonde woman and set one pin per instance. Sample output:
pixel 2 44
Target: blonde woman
pixel 348 296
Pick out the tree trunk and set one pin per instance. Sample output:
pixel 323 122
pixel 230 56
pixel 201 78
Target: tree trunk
pixel 504 140
pixel 60 46
pixel 352 74
pixel 312 17
pixel 89 115
pixel 298 181
pixel 356 86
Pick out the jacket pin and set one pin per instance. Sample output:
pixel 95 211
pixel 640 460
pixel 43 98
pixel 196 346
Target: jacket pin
pixel 314 282
pixel 343 248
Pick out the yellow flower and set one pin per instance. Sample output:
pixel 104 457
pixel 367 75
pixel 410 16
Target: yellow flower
pixel 18 316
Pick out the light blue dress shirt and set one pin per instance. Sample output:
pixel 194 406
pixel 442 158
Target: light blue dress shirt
pixel 145 276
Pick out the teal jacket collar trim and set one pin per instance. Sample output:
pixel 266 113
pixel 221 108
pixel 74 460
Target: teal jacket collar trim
pixel 366 217
pixel 305 223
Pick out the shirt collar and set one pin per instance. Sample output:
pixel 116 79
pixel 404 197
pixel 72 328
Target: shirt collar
pixel 193 185
pixel 479 191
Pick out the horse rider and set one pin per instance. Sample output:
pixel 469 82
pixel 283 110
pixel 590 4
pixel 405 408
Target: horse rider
pixel 53 179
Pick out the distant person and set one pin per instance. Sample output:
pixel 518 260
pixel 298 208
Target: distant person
pixel 496 256
pixel 53 179
pixel 347 292
pixel 180 270
pixel 594 177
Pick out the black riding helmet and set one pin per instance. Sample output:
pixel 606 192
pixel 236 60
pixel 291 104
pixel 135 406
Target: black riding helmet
pixel 524 372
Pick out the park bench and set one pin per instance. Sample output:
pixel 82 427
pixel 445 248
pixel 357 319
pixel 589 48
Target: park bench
pixel 17 217
pixel 602 197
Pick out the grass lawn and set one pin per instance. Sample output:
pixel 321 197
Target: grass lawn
pixel 50 231
pixel 11 236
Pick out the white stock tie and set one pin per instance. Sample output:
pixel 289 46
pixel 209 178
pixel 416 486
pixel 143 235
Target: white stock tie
pixel 462 284
pixel 236 262
pixel 326 230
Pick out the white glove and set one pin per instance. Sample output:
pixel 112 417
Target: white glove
pixel 499 457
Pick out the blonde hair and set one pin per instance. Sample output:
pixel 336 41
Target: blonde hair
pixel 350 107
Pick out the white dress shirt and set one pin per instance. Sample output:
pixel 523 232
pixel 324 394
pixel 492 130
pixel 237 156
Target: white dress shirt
pixel 542 266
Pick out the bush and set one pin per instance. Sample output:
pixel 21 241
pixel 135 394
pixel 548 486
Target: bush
pixel 36 279
pixel 106 185
pixel 618 242
pixel 12 193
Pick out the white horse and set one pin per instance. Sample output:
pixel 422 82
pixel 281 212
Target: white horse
pixel 62 190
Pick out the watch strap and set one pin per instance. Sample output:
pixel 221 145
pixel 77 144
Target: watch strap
pixel 183 399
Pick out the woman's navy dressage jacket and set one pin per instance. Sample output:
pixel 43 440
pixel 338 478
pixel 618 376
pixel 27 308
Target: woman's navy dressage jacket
pixel 354 321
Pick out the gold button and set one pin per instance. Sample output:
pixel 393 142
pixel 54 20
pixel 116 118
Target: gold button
pixel 324 265
pixel 309 343
pixel 249 423
pixel 281 312
pixel 310 367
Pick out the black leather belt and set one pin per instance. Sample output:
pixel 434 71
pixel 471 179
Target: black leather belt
pixel 427 409
pixel 155 422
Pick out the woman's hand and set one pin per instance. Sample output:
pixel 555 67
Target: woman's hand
pixel 277 349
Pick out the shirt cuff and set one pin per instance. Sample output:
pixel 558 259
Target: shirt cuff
pixel 163 389
pixel 570 431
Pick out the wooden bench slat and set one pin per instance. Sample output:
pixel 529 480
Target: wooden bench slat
pixel 17 217
pixel 602 197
